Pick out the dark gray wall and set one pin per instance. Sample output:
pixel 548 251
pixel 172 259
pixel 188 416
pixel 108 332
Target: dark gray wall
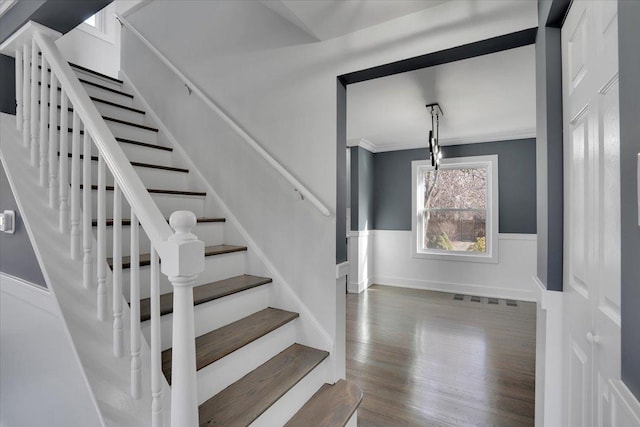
pixel 361 189
pixel 341 178
pixel 60 15
pixel 549 146
pixel 516 181
pixel 16 253
pixel 629 63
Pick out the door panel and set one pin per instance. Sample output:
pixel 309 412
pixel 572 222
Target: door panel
pixel 592 210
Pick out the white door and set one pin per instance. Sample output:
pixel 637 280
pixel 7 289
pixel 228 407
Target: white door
pixel 592 210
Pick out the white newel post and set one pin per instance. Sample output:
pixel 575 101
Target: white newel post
pixel 19 75
pixel 182 260
pixel 26 90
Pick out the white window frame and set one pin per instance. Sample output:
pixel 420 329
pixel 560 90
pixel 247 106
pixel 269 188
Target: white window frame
pixel 103 30
pixel 491 255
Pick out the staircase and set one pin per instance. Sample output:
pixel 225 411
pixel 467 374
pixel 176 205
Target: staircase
pixel 251 367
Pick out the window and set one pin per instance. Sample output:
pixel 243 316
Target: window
pixel 91 21
pixel 455 209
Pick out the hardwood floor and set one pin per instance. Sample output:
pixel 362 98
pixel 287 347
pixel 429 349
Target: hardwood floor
pixel 424 359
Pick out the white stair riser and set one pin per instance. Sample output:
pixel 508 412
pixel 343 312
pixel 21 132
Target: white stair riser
pixel 216 377
pixel 286 407
pixel 132 132
pixel 212 233
pixel 218 313
pixel 108 111
pixel 137 153
pixel 97 79
pixel 166 203
pixel 216 268
pixel 353 421
pixel 151 177
pixel 107 95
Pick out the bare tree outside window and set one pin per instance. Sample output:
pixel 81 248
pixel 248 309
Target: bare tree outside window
pixel 455 209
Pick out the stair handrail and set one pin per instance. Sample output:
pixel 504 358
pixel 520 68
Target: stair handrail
pixel 304 192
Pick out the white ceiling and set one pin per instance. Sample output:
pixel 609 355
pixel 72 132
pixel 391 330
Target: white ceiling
pixel 327 19
pixel 488 98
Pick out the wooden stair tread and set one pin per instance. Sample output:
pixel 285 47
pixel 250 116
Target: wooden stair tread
pixel 331 406
pixel 145 259
pixel 158 191
pixel 223 341
pixel 139 164
pixel 127 221
pixel 130 141
pixel 246 399
pixel 205 293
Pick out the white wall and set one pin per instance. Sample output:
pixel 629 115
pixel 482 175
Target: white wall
pixel 361 258
pixel 279 83
pixel 90 48
pixel 42 380
pixel 511 277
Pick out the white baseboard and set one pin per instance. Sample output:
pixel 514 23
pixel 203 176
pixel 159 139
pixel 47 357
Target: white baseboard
pixel 457 288
pixel 625 409
pixel 28 292
pixel 359 287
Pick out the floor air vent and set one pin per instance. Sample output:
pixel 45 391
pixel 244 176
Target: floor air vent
pixel 475 299
pixel 458 297
pixel 512 303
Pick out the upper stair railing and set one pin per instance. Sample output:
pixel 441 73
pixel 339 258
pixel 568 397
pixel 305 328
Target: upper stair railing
pixel 39 116
pixel 303 191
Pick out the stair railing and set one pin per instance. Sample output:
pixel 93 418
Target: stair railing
pixel 182 254
pixel 301 189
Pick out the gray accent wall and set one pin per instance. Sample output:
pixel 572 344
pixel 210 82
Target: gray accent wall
pixel 516 182
pixel 362 176
pixel 629 67
pixel 17 257
pixel 549 154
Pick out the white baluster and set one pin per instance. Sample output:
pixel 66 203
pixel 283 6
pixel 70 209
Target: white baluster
pixel 75 188
pixel 182 272
pixel 118 341
pixel 44 122
pixel 134 302
pixel 87 235
pixel 156 347
pixel 35 119
pixel 19 75
pixel 102 240
pixel 53 142
pixel 64 165
pixel 26 94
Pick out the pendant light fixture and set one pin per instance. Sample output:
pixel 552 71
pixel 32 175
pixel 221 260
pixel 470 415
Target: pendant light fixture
pixel 434 134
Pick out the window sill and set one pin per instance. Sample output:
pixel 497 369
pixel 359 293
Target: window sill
pixel 457 257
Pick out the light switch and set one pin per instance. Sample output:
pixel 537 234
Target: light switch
pixel 8 221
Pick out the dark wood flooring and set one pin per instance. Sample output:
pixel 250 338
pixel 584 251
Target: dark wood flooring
pixel 424 359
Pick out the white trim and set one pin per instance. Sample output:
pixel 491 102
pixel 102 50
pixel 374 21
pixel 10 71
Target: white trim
pixel 342 269
pixel 103 29
pixel 458 288
pixel 24 35
pixel 382 148
pixel 5 5
pixel 629 401
pixel 359 287
pixel 255 145
pixel 29 292
pixel 491 164
pixel 518 236
pixel 305 313
pixel 360 233
pixel 549 356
